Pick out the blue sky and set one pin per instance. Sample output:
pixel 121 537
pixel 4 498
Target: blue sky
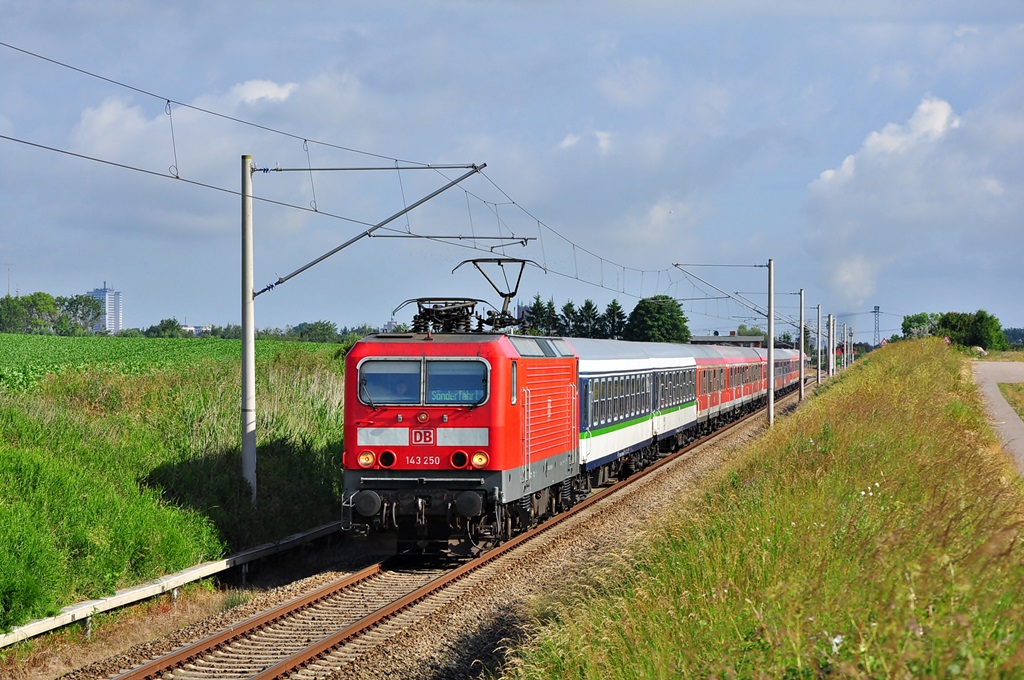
pixel 873 150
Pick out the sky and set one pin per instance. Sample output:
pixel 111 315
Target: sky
pixel 873 151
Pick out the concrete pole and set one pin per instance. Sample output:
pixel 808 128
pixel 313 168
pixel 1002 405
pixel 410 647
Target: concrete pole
pixel 830 347
pixel 843 344
pixel 248 335
pixel 818 344
pixel 771 342
pixel 801 344
pixel 835 344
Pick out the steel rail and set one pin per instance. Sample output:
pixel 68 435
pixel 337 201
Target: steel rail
pixel 180 657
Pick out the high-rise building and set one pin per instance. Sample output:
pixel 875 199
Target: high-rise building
pixel 110 320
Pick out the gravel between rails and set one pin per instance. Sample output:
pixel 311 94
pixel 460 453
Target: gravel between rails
pixel 468 636
pixel 469 629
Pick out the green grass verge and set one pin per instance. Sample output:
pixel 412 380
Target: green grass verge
pixel 120 462
pixel 1014 395
pixel 874 533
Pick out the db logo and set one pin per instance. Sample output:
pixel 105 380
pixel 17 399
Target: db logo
pixel 423 437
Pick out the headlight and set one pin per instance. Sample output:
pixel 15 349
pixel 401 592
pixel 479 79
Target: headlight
pixel 480 459
pixel 366 459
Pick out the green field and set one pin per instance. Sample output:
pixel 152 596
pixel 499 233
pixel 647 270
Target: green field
pixel 874 533
pixel 120 459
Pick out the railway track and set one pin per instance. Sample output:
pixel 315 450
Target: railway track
pixel 329 628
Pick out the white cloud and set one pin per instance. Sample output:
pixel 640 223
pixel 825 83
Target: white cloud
pixel 841 174
pixel 856 276
pixel 899 75
pixel 113 130
pixel 932 120
pixel 569 141
pixel 601 141
pixel 919 197
pixel 637 83
pixel 255 90
pixel 663 224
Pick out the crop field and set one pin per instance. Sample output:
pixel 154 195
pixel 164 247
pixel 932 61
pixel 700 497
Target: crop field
pixel 120 459
pixel 27 359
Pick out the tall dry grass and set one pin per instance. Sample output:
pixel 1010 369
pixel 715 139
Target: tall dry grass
pixel 874 533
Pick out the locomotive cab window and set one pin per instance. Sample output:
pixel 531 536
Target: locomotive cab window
pixel 456 382
pixel 389 382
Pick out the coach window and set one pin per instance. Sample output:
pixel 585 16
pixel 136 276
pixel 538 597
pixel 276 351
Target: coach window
pixel 606 400
pixel 621 407
pixel 619 399
pixel 627 396
pixel 456 382
pixel 631 396
pixel 605 392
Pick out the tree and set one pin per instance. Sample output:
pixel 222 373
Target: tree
pixel 167 328
pixel 550 318
pixel 13 315
pixel 535 316
pixel 42 312
pixel 317 331
pixel 614 321
pixel 567 320
pixel 272 333
pixel 978 329
pixel 919 325
pixel 988 331
pixel 657 319
pixel 588 320
pixel 752 332
pixel 232 331
pixel 77 314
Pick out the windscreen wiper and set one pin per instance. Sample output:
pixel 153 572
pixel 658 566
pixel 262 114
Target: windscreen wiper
pixel 366 392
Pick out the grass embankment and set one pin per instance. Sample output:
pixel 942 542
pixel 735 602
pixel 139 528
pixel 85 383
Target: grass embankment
pixel 875 532
pixel 120 459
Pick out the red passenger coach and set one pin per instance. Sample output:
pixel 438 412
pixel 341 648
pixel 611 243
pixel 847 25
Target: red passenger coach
pixel 466 436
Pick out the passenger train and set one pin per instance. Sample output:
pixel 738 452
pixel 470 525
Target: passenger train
pixel 460 440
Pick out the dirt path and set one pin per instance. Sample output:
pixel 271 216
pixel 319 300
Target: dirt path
pixel 1006 421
